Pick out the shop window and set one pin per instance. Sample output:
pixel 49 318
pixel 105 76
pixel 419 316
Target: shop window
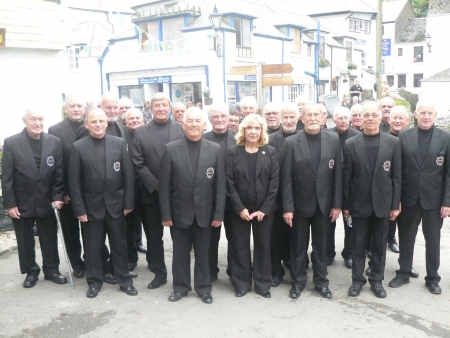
pixel 134 93
pixel 417 78
pixel 190 91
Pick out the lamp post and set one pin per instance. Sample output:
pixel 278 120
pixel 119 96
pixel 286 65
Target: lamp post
pixel 428 40
pixel 216 21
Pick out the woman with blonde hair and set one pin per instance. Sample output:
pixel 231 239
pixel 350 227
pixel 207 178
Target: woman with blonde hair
pixel 252 186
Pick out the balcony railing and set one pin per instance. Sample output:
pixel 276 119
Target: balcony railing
pixel 243 52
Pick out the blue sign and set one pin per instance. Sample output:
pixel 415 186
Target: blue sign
pixel 386 47
pixel 250 77
pixel 155 79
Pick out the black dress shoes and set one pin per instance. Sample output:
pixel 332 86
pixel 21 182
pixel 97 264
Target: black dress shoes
pixel 110 279
pixel 433 288
pixel 129 290
pixel 132 274
pixel 295 291
pixel 369 271
pixel 324 291
pixel 56 278
pixel 132 266
pixel 414 273
pixel 92 292
pixel 30 281
pixel 157 282
pixel 142 249
pixel 265 294
pixel 330 261
pixel 214 277
pixel 378 290
pixel 240 293
pixel 207 298
pixel 397 282
pixel 275 281
pixel 355 289
pixel 176 296
pixel 78 273
pixel 349 263
pixel 394 247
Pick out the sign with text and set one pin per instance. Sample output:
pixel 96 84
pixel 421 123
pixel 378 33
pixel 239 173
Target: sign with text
pixel 272 81
pixel 155 79
pixel 243 70
pixel 250 77
pixel 386 47
pixel 277 68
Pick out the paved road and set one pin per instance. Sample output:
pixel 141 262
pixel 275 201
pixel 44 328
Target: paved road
pixel 50 310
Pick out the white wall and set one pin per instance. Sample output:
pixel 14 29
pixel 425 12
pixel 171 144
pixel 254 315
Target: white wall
pixel 439 93
pixel 29 78
pixel 437 27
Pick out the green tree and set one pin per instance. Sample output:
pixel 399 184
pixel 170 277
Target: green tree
pixel 420 7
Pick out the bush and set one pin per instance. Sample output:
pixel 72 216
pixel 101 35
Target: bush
pixel 411 98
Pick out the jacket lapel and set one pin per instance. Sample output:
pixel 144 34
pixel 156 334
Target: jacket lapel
pixel 361 150
pixel 305 150
pixel 381 150
pixel 204 150
pixel 433 151
pixel 243 160
pixel 45 151
pixel 109 144
pixel 153 133
pixel 92 154
pixel 324 151
pixel 67 129
pixel 262 155
pixel 230 139
pixel 172 131
pixel 26 148
pixel 414 142
pixel 184 153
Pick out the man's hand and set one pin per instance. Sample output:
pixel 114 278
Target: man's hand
pixel 66 199
pixel 259 215
pixel 216 223
pixel 393 214
pixel 167 223
pixel 346 214
pixel 58 204
pixel 445 212
pixel 288 216
pixel 82 218
pixel 127 211
pixel 14 212
pixel 245 215
pixel 334 214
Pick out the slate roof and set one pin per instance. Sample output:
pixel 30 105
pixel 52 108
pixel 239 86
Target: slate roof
pixel 414 31
pixel 443 76
pixel 439 7
pixel 392 9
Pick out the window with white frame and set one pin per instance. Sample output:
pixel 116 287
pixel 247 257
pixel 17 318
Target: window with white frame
pixel 363 59
pixel 297 42
pixel 357 25
pixel 349 47
pixel 149 36
pixel 301 90
pixel 292 93
pixel 243 32
pixel 321 89
pixel 73 52
pixel 172 34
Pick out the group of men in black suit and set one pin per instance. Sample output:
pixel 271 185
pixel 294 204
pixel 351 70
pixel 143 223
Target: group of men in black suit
pixel 107 176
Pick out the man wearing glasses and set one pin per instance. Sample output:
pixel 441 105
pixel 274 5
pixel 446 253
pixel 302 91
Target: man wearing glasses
pixel 234 118
pixel 273 118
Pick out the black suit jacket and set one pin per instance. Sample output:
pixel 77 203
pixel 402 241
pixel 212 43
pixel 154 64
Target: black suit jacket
pixel 267 178
pixel 83 132
pixel 384 126
pixel 64 131
pixel 431 181
pixel 90 194
pixel 185 195
pixel 147 156
pixel 351 132
pixel 22 185
pixel 364 194
pixel 301 187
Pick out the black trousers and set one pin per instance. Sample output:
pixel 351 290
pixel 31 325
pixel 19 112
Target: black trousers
pixel 154 230
pixel 408 224
pixel 214 246
pixel 319 224
pixel 71 231
pixel 183 240
pixel 346 252
pixel 138 227
pixel 48 239
pixel 379 229
pixel 241 261
pixel 391 232
pixel 279 244
pixel 331 240
pixel 94 240
pixel 133 221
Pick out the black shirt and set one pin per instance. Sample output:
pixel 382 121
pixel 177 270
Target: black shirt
pixel 221 139
pixel 424 142
pixel 287 135
pixel 355 88
pixel 99 144
pixel 194 153
pixel 251 194
pixel 163 133
pixel 314 149
pixel 372 143
pixel 36 148
pixel 113 129
pixel 75 125
pixel 272 131
pixel 300 125
pixel 342 137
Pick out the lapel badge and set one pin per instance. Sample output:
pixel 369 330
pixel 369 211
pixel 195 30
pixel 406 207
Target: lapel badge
pixel 210 172
pixel 116 166
pixel 50 161
pixel 263 152
pixel 387 165
pixel 440 160
pixel 331 164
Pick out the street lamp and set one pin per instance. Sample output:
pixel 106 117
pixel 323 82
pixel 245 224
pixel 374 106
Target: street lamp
pixel 216 21
pixel 428 40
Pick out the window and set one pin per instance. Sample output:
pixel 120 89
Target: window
pixel 390 80
pixel 400 52
pixel 292 93
pixel 417 78
pixel 348 45
pixel 149 44
pixel 356 25
pixel 401 81
pixel 172 34
pixel 73 56
pixel 301 90
pixel 418 54
pixel 368 27
pixel 363 59
pixel 321 89
pixel 297 42
pixel 309 50
pixel 352 82
pixel 243 34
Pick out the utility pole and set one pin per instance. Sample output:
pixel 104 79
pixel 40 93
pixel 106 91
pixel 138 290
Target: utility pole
pixel 379 37
pixel 260 92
